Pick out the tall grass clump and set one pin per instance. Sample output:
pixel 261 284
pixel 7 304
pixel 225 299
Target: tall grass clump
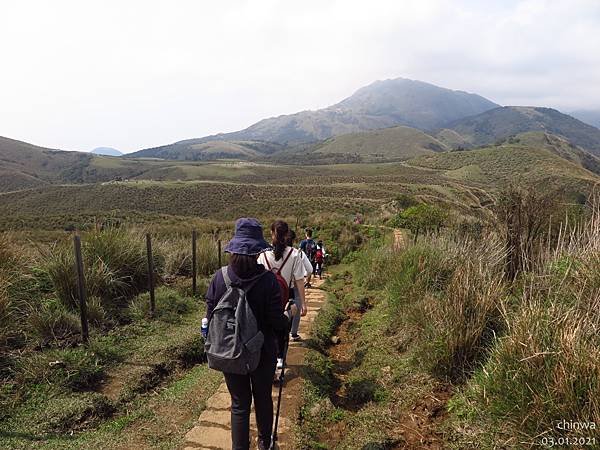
pixel 178 255
pixel 51 322
pixel 115 265
pixel 445 301
pixel 16 290
pixel 546 367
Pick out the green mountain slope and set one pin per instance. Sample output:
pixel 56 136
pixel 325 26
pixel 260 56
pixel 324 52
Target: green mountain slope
pixel 501 123
pixel 511 163
pixel 27 165
pixel 193 150
pixel 561 147
pixel 381 104
pixel 397 143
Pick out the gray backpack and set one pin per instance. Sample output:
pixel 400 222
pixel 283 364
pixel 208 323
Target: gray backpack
pixel 234 342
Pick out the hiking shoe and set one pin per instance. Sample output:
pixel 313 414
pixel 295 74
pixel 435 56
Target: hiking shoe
pixel 296 337
pixel 279 363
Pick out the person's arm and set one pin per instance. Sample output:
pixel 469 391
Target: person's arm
pixel 301 293
pixel 212 295
pixel 308 268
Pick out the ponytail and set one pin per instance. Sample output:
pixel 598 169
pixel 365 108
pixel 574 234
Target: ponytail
pixel 280 232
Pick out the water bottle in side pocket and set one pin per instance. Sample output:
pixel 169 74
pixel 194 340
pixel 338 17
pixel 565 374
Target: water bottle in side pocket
pixel 204 328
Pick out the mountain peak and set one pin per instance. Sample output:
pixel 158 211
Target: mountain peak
pixel 381 104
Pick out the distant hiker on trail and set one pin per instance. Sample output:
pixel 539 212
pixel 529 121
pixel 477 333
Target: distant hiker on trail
pixel 285 262
pixel 309 247
pixel 320 255
pixel 250 373
pixel 308 268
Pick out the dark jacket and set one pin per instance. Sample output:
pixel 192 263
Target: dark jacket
pixel 264 299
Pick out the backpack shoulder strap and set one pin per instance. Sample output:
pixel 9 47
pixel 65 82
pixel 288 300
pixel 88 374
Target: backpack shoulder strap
pixel 267 261
pixel 285 260
pixel 226 276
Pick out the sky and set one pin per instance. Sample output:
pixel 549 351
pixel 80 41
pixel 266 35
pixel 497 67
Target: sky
pixel 133 74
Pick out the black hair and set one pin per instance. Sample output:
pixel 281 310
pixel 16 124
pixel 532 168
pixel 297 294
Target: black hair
pixel 244 266
pixel 280 230
pixel 290 238
pixel 308 232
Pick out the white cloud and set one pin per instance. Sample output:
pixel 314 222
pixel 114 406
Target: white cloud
pixel 134 74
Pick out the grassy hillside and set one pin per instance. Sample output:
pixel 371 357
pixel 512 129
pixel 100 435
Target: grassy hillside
pixel 561 147
pixel 501 123
pixel 498 167
pixel 196 150
pixel 27 164
pixel 390 143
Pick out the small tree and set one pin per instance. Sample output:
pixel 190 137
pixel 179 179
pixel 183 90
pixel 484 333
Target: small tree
pixel 422 218
pixel 404 201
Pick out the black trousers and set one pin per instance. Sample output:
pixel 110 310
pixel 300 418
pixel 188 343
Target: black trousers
pixel 242 389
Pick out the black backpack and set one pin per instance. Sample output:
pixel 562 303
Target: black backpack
pixel 310 249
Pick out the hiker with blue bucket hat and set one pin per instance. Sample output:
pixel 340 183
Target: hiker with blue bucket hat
pixel 245 315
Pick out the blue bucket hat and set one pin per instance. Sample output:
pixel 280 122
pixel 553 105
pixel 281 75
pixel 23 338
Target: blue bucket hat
pixel 248 238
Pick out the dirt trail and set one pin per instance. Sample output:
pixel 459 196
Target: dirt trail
pixel 213 430
pixel 399 239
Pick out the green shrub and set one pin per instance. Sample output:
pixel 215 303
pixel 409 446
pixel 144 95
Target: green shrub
pixel 422 218
pixel 170 305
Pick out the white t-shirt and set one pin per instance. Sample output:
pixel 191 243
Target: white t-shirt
pixel 293 269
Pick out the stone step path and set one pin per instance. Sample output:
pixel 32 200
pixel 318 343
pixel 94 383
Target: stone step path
pixel 213 429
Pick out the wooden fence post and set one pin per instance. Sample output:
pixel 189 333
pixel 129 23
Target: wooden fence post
pixel 194 264
pixel 81 289
pixel 150 273
pixel 219 250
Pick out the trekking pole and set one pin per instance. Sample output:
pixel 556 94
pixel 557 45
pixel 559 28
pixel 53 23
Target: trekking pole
pixel 281 380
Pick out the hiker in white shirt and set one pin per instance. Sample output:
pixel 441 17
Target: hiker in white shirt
pixel 307 274
pixel 286 261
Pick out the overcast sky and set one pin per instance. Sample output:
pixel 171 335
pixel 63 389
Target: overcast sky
pixel 132 74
